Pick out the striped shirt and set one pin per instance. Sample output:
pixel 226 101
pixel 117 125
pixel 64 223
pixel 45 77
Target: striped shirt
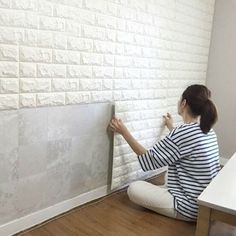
pixel 192 158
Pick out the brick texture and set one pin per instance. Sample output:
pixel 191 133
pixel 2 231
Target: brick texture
pixel 68 52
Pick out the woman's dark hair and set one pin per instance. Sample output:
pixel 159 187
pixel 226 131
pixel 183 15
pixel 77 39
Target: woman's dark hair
pixel 198 99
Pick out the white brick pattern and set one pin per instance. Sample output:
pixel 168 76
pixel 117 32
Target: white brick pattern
pixel 81 51
pixel 144 120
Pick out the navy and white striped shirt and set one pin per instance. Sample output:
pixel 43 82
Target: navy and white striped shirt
pixel 192 158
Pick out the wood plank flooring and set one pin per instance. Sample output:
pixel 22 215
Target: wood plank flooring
pixel 115 215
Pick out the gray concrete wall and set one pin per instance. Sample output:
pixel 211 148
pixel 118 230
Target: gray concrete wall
pixel 51 154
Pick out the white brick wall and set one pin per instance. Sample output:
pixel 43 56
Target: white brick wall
pixel 81 51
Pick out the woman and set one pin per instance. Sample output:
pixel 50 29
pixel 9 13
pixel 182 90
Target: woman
pixel 190 151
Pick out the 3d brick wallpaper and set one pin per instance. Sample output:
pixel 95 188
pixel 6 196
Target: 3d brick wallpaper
pixel 59 52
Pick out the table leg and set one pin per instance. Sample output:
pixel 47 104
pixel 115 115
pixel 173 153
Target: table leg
pixel 203 221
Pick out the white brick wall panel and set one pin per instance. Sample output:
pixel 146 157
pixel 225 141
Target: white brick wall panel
pixel 134 27
pixel 28 70
pixel 11 35
pixel 103 72
pixel 138 5
pixel 10 17
pixel 118 73
pixel 124 37
pixel 148 74
pixel 31 20
pixel 8 53
pixel 146 18
pixel 151 30
pixel 122 84
pixel 51 70
pixel 106 21
pixel 59 41
pixel 126 95
pixel 132 116
pixel 124 149
pixel 101 96
pixel 98 5
pixel 107 84
pixel 9 69
pixel 5 3
pixel 121 25
pixel 72 85
pixel 91 59
pixel 129 49
pixel 142 40
pixel 45 8
pixel 28 85
pixel 9 86
pixel 157 93
pixel 111 35
pixel 44 39
pixel 104 47
pixel 72 28
pixel 133 50
pixel 51 23
pixel 120 49
pixel 27 100
pixel 109 60
pixel 157 84
pixel 80 44
pixel 75 3
pixel 141 62
pixel 24 4
pixel 79 71
pixel 124 61
pixel 78 97
pixel 112 8
pixel 126 13
pixel 149 52
pixel 9 101
pixel 139 84
pixel 85 17
pixel 63 11
pixel 66 57
pixel 93 32
pixel 60 57
pixel 30 54
pixel 47 99
pixel 131 73
pixel 73 57
pixel 194 13
pixel 123 106
pixel 59 85
pixel 30 38
pixel 90 84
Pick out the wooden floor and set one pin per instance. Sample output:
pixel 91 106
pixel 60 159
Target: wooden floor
pixel 116 215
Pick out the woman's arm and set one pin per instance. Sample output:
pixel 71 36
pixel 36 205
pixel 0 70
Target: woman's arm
pixel 116 125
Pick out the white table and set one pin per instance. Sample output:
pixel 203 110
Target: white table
pixel 218 200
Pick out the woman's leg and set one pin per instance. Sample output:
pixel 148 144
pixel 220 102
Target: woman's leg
pixel 153 197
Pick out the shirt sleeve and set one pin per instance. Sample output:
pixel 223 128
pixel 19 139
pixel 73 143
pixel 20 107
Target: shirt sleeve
pixel 163 153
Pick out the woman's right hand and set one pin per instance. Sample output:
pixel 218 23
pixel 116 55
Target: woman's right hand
pixel 168 121
pixel 117 126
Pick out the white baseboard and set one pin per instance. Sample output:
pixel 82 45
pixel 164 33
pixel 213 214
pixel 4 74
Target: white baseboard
pixel 38 217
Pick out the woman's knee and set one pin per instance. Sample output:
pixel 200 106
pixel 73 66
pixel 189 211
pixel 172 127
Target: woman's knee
pixel 134 188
